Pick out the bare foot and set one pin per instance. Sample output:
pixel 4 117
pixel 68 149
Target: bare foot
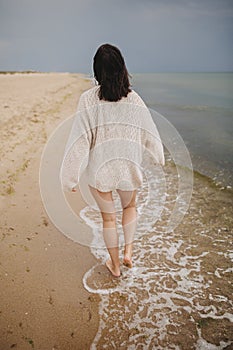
pixel 114 271
pixel 127 262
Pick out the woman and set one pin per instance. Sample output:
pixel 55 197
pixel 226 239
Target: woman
pixel 111 128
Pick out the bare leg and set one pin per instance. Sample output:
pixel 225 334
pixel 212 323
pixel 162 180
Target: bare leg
pixel 129 222
pixel 105 202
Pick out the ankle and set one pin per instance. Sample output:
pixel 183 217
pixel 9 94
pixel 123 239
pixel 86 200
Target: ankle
pixel 116 264
pixel 128 250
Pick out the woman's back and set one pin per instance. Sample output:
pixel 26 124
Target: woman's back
pixel 115 154
pixel 113 137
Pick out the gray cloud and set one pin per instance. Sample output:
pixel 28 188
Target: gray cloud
pixel 163 35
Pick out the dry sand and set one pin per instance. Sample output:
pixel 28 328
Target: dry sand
pixel 43 303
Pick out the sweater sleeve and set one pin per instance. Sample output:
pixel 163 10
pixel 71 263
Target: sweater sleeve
pixel 77 148
pixel 150 137
pixel 152 141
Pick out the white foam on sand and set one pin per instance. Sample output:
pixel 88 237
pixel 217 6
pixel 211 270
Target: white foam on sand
pixel 164 288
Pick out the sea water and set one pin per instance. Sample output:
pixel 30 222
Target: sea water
pixel 200 106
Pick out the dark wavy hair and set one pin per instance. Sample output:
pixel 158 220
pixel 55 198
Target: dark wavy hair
pixel 111 73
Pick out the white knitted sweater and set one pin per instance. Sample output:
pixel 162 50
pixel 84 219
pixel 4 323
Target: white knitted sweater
pixel 107 142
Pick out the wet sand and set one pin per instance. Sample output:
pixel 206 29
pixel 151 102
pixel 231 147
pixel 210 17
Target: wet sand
pixel 43 304
pixel 179 293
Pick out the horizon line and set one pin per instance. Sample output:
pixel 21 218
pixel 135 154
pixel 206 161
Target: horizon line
pixel 25 71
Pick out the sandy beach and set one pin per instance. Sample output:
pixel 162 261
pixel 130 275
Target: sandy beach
pixel 178 296
pixel 43 302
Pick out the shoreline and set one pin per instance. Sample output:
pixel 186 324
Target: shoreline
pixel 178 293
pixel 43 302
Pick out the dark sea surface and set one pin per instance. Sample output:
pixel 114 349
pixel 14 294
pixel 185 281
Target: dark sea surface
pixel 200 107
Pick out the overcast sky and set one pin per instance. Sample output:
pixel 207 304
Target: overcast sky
pixel 153 35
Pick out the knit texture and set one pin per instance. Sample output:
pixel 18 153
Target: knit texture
pixel 107 142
